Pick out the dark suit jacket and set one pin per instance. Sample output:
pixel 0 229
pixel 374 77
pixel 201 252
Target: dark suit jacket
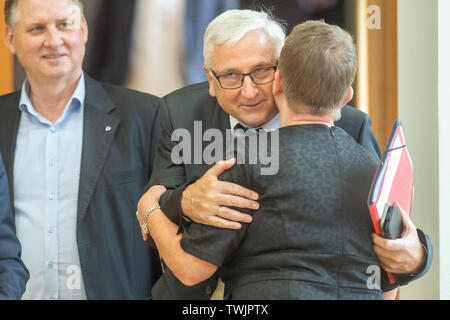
pixel 115 166
pixel 181 109
pixel 13 273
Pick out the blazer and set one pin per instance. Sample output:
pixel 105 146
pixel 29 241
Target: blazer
pixel 120 133
pixel 13 273
pixel 180 109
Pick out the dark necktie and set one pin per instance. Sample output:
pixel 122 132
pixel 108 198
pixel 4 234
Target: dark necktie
pixel 245 130
pixel 239 126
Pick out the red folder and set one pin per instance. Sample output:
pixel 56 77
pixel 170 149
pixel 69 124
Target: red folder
pixel 393 180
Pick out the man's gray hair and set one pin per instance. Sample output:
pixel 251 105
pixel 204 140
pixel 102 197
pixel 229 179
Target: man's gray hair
pixel 12 15
pixel 232 25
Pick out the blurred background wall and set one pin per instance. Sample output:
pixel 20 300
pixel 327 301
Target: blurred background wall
pixel 156 45
pixel 6 62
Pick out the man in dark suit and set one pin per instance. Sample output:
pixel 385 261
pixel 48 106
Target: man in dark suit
pixel 14 275
pixel 194 189
pixel 78 154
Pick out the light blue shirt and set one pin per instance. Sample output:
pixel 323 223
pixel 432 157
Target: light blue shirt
pixel 272 125
pixel 46 180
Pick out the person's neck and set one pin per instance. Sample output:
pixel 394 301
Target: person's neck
pixel 49 98
pixel 299 119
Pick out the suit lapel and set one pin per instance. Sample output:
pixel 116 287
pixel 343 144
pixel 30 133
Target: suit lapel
pixel 99 129
pixel 221 119
pixel 8 136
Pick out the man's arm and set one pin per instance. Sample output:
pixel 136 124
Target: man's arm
pixel 410 256
pixel 13 273
pixel 167 240
pixel 197 199
pixel 359 126
pixel 211 195
pixel 367 138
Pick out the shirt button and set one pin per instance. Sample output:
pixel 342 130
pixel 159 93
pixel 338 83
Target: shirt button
pixel 51 265
pixel 51 229
pixel 52 162
pixel 51 196
pixel 52 129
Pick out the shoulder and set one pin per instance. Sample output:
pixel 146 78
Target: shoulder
pixel 136 111
pixel 191 103
pixel 124 97
pixel 352 117
pixel 354 121
pixel 9 96
pixel 10 100
pixel 353 149
pixel 195 95
pixel 198 89
pixel 9 114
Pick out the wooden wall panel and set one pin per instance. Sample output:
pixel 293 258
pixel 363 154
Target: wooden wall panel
pixel 377 81
pixel 6 59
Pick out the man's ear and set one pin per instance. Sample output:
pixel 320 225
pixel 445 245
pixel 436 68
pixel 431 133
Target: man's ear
pixel 277 84
pixel 212 92
pixel 9 38
pixel 84 28
pixel 278 92
pixel 348 97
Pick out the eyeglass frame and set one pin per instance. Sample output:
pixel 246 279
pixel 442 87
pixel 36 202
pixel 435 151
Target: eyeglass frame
pixel 275 67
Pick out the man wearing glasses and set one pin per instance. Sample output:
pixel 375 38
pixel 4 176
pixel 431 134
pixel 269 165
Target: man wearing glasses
pixel 241 49
pixel 232 81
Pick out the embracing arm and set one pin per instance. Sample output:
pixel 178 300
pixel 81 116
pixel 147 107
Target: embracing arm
pixel 199 198
pixel 164 233
pixel 209 200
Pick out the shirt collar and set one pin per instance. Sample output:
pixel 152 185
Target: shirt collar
pixel 272 125
pixel 77 99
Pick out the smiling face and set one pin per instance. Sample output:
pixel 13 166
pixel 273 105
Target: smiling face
pixel 49 39
pixel 251 104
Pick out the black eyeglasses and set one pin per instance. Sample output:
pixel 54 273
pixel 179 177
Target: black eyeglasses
pixel 235 81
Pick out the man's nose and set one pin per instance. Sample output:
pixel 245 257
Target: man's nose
pixel 249 89
pixel 53 38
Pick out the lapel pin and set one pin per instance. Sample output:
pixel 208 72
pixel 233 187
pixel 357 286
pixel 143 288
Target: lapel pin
pixel 108 128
